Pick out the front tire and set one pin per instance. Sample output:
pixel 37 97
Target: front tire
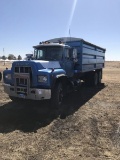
pixel 57 95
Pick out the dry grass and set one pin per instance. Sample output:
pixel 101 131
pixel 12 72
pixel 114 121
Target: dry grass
pixel 86 128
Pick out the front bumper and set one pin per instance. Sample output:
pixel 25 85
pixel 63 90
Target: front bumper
pixel 34 93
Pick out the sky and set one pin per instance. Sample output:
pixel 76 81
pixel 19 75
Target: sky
pixel 25 23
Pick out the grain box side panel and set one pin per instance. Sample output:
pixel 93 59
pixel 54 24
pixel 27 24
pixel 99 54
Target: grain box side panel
pixel 93 57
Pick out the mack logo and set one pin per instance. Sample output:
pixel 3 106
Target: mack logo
pixel 22 64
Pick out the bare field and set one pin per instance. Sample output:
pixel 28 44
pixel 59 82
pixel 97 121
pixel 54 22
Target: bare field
pixel 86 128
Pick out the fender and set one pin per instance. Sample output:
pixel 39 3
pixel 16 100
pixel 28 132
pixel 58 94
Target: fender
pixel 7 80
pixel 58 74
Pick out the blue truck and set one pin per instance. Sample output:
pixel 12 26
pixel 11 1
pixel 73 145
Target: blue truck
pixel 57 67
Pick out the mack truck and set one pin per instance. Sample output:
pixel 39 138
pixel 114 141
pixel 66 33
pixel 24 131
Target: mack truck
pixel 57 67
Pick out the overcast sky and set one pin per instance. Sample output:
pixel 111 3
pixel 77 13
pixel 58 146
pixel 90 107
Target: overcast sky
pixel 24 23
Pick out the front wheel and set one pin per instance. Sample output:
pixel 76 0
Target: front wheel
pixel 57 95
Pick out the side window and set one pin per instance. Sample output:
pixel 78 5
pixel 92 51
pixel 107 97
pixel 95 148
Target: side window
pixel 40 54
pixel 67 53
pixel 35 53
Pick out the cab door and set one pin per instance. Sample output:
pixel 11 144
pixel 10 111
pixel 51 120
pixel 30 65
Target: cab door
pixel 68 63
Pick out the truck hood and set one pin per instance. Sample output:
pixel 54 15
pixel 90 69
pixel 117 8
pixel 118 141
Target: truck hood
pixel 39 64
pixel 49 64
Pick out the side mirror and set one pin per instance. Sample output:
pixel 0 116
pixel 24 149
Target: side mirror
pixel 29 56
pixel 74 54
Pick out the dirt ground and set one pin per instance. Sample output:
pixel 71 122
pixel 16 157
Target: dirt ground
pixel 86 128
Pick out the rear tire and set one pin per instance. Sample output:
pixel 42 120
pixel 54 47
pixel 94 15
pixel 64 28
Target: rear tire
pixel 94 80
pixel 91 79
pixel 99 77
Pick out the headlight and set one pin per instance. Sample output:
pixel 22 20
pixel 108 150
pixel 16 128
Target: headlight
pixel 8 76
pixel 42 79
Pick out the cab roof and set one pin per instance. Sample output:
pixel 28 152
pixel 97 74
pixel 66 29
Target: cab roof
pixel 47 43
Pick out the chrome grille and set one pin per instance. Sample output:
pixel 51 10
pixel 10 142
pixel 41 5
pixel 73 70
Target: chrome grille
pixel 22 83
pixel 23 70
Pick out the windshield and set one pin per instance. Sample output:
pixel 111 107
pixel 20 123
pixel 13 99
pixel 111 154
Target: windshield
pixel 48 53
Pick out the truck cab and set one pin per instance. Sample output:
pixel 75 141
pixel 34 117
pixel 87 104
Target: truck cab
pixel 56 55
pixel 42 74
